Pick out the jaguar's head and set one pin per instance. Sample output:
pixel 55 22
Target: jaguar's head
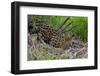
pixel 33 30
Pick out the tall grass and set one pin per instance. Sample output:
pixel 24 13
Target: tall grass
pixel 81 23
pixel 82 27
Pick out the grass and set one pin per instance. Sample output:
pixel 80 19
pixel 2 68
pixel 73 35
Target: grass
pixel 47 52
pixel 79 27
pixel 82 27
pixel 81 23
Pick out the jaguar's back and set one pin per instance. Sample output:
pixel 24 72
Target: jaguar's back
pixel 53 37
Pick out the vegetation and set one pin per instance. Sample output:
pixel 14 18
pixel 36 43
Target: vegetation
pixel 81 23
pixel 78 26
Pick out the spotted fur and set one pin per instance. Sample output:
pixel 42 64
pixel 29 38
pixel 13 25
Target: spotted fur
pixel 52 37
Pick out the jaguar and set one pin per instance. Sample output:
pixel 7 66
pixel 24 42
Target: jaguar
pixel 54 37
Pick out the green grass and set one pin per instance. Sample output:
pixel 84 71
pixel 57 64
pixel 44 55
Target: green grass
pixel 81 23
pixel 82 27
